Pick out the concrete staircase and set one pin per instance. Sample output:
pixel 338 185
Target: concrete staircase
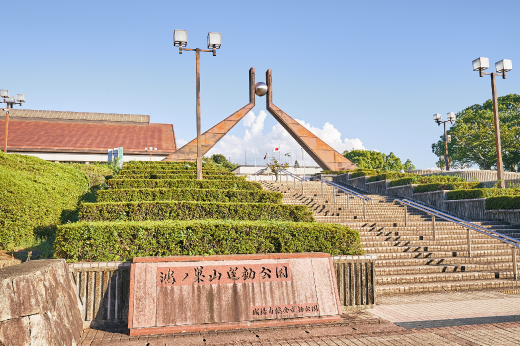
pixel 409 260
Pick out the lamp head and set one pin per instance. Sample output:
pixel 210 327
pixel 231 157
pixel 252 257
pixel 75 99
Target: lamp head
pixel 180 38
pixel 4 93
pixel 480 64
pixel 437 118
pixel 20 98
pixel 214 40
pixel 504 66
pixel 451 117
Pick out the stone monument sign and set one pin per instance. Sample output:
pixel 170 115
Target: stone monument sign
pixel 195 293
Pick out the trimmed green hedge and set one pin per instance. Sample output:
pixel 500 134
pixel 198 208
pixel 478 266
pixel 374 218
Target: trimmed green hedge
pixel 444 186
pixel 122 241
pixel 183 184
pixel 503 202
pixel 138 164
pixel 187 210
pixel 390 176
pixel 169 169
pixel 481 193
pixel 333 172
pixel 417 179
pixel 200 195
pixel 35 195
pixel 181 176
pixel 363 173
pixel 176 174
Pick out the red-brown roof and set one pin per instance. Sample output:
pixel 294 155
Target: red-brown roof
pixel 74 136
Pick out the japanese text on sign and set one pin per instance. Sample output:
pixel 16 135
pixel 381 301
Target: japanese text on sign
pixel 280 310
pixel 223 274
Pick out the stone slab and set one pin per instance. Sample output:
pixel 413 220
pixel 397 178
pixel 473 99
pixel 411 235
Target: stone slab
pixel 183 293
pixel 38 305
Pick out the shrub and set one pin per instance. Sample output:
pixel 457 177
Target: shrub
pixel 390 176
pixel 176 174
pixel 481 193
pixel 333 172
pixel 168 169
pixel 141 164
pixel 444 186
pixel 34 196
pixel 183 183
pixel 200 195
pixel 363 173
pixel 187 210
pixel 96 173
pixel 418 179
pixel 121 241
pixel 182 176
pixel 503 202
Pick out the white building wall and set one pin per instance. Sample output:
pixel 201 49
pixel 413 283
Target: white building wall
pixel 84 157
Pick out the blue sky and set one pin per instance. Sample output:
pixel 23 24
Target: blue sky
pixel 376 71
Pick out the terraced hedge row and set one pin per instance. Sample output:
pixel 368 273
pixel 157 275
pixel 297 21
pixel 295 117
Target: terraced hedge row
pixel 183 183
pixel 183 176
pixel 199 195
pixel 481 193
pixel 121 241
pixel 177 174
pixel 417 179
pixel 187 210
pixel 503 202
pixel 444 186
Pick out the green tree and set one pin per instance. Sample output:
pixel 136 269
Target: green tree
pixel 275 166
pixel 220 161
pixel 473 136
pixel 369 159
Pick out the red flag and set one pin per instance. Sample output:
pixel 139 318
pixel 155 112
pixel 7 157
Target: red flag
pixel 276 149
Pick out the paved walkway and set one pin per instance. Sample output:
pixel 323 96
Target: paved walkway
pixel 466 318
pixel 447 305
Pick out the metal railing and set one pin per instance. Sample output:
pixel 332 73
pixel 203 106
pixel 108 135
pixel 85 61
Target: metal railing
pixel 348 192
pixel 514 243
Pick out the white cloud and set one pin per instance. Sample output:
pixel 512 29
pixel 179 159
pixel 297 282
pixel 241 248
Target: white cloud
pixel 254 138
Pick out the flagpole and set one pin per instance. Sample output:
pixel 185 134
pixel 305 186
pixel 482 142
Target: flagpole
pixel 245 157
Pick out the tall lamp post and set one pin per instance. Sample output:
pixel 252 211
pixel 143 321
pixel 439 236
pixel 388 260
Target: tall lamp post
pixel 180 39
pixel 439 121
pixel 10 101
pixel 502 67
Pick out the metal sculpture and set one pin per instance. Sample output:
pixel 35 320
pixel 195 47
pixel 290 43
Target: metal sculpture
pixel 209 138
pixel 326 157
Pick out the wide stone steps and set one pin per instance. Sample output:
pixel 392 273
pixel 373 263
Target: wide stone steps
pixel 451 268
pixel 465 285
pixel 444 277
pixel 435 248
pixel 409 260
pixel 436 254
pixel 406 262
pixel 427 243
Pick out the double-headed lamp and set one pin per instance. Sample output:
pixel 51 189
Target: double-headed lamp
pixel 504 65
pixel 480 64
pixel 180 38
pixel 214 40
pixel 451 117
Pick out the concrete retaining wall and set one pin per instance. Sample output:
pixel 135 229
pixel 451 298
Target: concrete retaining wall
pixel 510 215
pixel 377 187
pixel 38 305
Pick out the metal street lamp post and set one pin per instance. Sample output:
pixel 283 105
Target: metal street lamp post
pixel 150 151
pixel 180 39
pixel 502 67
pixel 10 101
pixel 447 139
